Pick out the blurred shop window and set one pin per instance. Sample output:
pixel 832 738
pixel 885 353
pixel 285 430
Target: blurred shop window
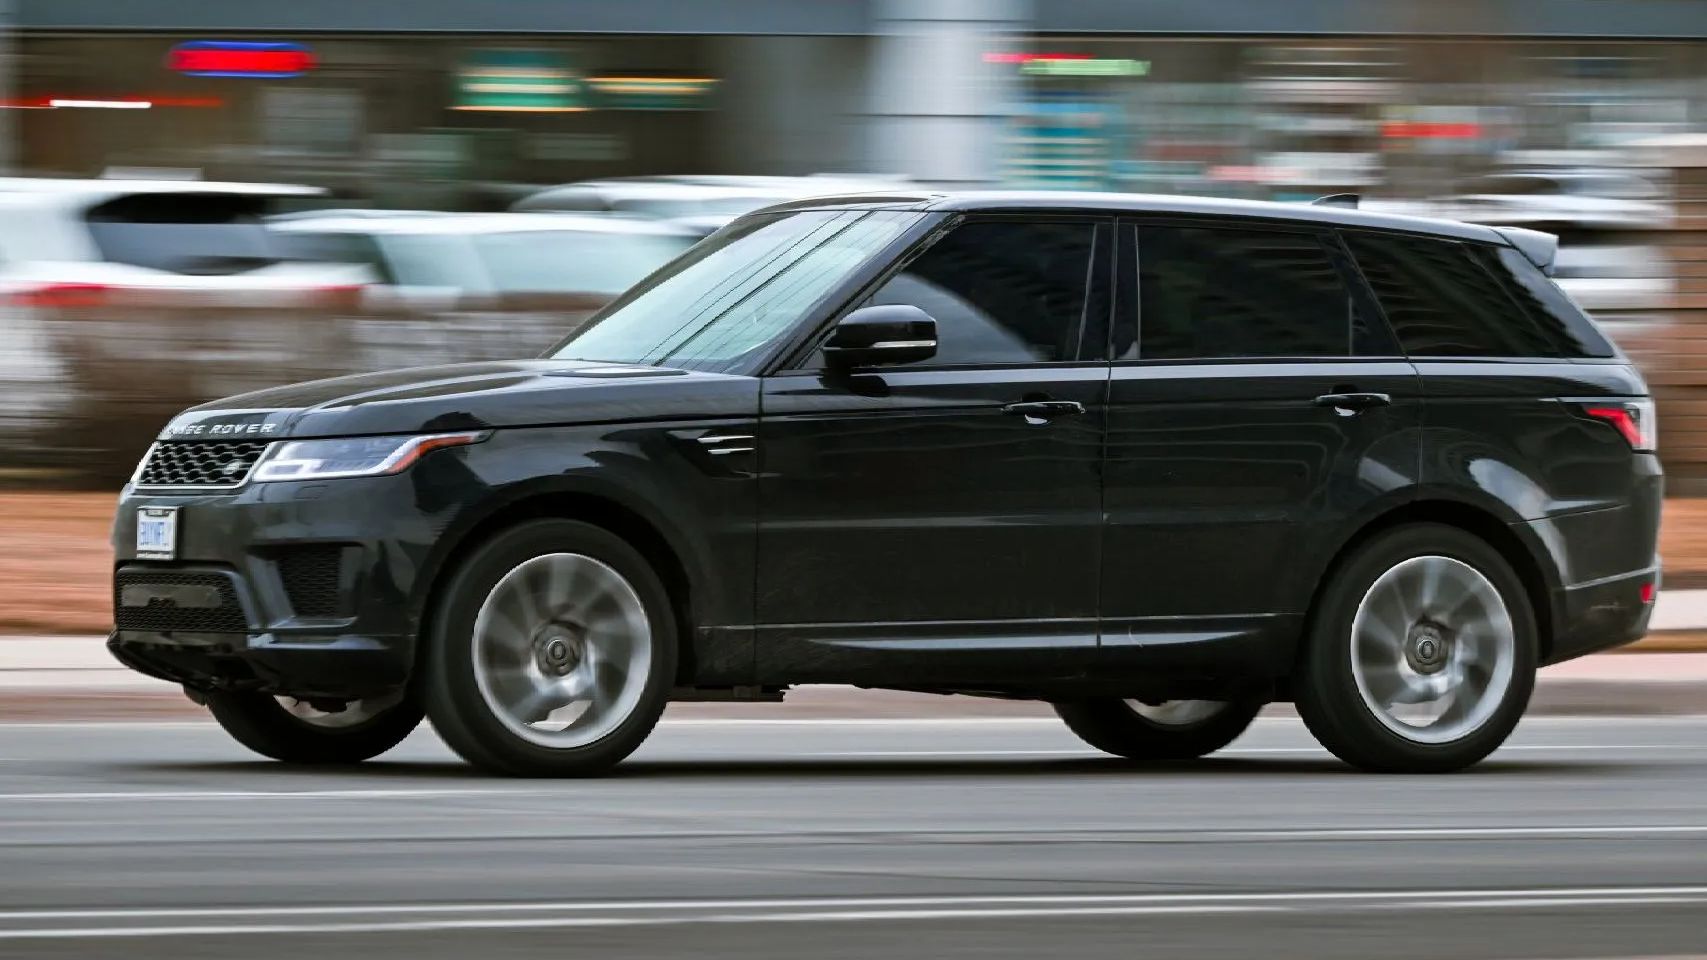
pixel 186 233
pixel 1232 292
pixel 1441 303
pixel 574 262
pixel 311 121
pixel 1001 292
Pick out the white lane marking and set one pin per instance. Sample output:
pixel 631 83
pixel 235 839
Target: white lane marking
pixel 471 916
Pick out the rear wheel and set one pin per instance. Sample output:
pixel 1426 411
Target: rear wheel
pixel 1169 730
pixel 553 651
pixel 296 731
pixel 1421 655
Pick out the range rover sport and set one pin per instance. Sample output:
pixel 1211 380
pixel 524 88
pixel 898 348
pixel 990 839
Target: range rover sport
pixel 1156 461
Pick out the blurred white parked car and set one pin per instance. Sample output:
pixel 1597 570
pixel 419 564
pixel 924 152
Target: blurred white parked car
pixel 449 261
pixel 1561 200
pixel 80 260
pixel 702 204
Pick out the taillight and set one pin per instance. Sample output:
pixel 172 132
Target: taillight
pixel 343 298
pixel 1633 419
pixel 62 295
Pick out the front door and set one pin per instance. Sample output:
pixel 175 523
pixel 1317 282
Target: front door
pixel 1257 406
pixel 944 517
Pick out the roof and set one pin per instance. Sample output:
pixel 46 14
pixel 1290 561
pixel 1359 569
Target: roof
pixel 467 223
pixel 116 186
pixel 1144 203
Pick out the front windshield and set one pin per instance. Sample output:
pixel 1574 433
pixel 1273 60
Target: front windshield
pixel 737 290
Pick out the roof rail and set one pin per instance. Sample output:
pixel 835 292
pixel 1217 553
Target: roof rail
pixel 1337 200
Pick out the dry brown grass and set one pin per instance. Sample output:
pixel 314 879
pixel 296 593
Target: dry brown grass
pixel 54 562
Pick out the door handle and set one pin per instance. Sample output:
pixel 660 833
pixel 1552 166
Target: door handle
pixel 1350 404
pixel 1043 411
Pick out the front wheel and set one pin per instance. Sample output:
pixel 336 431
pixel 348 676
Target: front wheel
pixel 295 731
pixel 1159 732
pixel 1421 655
pixel 552 652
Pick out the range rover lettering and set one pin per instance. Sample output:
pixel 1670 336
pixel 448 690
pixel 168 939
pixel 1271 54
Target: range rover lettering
pixel 1156 461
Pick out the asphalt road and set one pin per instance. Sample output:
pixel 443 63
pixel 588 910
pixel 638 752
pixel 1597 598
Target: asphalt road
pixel 842 839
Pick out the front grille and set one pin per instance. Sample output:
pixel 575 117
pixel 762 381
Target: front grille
pixel 188 463
pixel 165 601
pixel 311 577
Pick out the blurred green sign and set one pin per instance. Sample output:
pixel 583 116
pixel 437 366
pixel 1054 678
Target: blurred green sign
pixel 520 81
pixel 1049 67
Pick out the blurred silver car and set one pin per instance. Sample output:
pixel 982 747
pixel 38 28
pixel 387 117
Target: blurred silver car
pixel 450 261
pixel 702 204
pixel 1561 200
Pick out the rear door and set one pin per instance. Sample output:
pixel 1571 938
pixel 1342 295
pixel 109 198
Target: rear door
pixel 1257 405
pixel 941 519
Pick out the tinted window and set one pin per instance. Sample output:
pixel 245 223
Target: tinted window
pixel 1237 292
pixel 1563 321
pixel 1441 303
pixel 1001 291
pixel 190 233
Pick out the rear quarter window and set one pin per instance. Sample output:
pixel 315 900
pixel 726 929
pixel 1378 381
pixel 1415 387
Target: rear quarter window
pixel 1548 307
pixel 1441 302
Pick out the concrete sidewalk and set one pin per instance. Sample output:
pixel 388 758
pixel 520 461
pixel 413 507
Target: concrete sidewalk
pixel 55 678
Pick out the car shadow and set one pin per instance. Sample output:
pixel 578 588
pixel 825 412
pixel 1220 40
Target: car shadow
pixel 782 767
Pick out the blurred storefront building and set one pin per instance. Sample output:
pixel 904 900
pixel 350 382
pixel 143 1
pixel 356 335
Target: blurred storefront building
pixel 447 103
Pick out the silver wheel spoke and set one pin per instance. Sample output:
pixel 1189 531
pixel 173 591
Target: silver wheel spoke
pixel 1433 649
pixel 354 713
pixel 562 650
pixel 1177 713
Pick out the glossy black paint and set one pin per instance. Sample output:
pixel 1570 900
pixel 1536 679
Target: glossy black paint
pixel 1157 528
pixel 910 498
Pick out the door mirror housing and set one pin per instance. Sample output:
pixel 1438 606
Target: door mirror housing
pixel 872 336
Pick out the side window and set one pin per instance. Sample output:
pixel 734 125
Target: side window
pixel 1206 292
pixel 1441 302
pixel 1003 291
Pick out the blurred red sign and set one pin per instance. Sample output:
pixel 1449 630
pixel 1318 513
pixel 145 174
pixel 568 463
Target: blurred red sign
pixel 216 58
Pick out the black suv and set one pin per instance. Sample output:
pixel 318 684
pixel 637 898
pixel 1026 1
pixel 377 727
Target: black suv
pixel 1157 461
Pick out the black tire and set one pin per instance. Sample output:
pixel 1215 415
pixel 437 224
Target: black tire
pixel 1326 687
pixel 460 712
pixel 1114 726
pixel 261 723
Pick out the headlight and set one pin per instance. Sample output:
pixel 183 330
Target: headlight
pixel 352 456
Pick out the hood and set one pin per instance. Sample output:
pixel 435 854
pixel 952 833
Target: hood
pixel 470 396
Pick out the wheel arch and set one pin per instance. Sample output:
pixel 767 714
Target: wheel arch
pixel 1514 542
pixel 656 540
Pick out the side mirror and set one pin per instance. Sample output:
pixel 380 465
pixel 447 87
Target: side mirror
pixel 871 336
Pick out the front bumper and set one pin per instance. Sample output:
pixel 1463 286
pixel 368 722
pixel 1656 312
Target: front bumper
pixel 304 589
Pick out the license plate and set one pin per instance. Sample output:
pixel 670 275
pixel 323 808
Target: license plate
pixel 156 533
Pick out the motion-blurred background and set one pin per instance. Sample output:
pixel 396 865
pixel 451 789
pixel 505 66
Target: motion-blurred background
pixel 208 198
